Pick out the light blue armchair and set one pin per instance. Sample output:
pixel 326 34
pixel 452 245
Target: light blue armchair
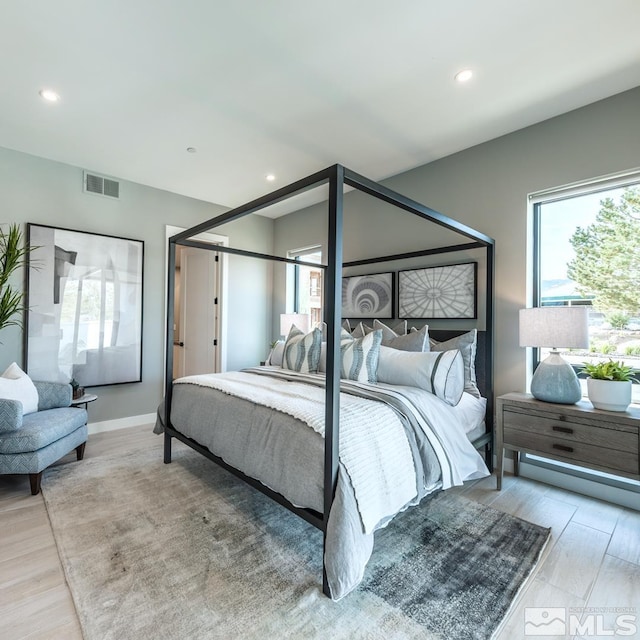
pixel 30 443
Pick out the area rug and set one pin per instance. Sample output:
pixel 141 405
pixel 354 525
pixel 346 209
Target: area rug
pixel 187 551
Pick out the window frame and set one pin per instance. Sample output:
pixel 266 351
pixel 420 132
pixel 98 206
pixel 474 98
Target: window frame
pixel 298 254
pixel 536 200
pixel 573 190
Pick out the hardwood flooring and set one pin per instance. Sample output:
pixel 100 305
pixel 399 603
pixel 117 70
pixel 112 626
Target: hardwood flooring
pixel 592 559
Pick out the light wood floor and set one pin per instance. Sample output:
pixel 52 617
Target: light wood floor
pixel 592 560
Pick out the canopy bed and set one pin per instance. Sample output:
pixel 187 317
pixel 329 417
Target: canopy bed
pixel 398 443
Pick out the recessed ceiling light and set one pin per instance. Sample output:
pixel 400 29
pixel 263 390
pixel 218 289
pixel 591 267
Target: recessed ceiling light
pixel 463 76
pixel 49 95
pixel 191 150
pixel 269 177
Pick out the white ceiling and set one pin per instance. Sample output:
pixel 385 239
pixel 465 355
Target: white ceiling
pixel 292 86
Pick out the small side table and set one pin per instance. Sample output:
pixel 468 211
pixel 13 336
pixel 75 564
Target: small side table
pixel 84 400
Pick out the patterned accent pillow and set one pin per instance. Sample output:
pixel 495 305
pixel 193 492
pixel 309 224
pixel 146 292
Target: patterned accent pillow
pixel 302 352
pixel 15 384
pixel 440 373
pixel 466 344
pixel 359 357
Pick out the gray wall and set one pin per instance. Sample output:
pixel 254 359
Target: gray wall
pixel 486 187
pixel 45 192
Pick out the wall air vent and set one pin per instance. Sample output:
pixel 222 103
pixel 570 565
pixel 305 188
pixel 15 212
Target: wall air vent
pixel 101 185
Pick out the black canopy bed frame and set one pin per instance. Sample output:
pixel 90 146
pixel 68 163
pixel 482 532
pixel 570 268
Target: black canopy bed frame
pixel 337 177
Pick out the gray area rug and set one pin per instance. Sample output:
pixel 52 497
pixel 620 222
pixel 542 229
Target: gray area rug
pixel 187 551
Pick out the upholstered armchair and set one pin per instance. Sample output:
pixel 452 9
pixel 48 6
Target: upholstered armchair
pixel 30 443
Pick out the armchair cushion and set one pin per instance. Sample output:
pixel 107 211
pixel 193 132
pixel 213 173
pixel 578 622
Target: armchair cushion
pixel 52 395
pixel 15 384
pixel 41 429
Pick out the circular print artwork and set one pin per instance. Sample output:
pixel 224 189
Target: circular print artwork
pixel 438 292
pixel 368 296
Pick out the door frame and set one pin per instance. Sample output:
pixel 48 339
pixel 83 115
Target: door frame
pixel 221 286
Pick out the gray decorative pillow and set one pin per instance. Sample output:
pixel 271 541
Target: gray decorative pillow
pixel 359 357
pixel 466 344
pixel 302 352
pixel 361 330
pixel 414 341
pixel 391 332
pixel 323 327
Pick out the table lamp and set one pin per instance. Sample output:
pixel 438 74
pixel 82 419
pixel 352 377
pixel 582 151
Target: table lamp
pixel 287 320
pixel 554 380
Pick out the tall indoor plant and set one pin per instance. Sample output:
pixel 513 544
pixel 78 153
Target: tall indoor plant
pixel 609 384
pixel 13 255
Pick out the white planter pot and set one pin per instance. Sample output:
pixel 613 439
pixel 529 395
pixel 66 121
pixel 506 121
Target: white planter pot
pixel 609 395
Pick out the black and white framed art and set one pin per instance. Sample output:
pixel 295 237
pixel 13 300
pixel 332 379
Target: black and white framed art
pixel 369 296
pixel 84 318
pixel 448 291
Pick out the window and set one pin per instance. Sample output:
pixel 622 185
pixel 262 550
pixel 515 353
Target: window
pixel 587 252
pixel 307 283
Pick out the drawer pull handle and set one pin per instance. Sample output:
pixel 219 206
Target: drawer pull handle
pixel 562 447
pixel 562 429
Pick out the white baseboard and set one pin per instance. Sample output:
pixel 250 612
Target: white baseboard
pixel 121 423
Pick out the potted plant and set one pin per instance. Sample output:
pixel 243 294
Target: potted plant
pixel 609 384
pixel 13 255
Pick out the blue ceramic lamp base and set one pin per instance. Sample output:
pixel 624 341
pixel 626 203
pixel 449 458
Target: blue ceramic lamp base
pixel 555 381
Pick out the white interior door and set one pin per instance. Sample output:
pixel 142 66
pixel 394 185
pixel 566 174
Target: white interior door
pixel 198 309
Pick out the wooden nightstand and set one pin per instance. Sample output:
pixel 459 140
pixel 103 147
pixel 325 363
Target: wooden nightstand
pixel 574 433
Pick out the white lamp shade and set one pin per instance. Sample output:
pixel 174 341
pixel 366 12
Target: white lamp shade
pixel 556 327
pixel 287 320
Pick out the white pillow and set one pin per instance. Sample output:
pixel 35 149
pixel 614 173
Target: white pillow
pixel 15 384
pixel 275 356
pixel 359 357
pixel 466 344
pixel 302 352
pixel 440 373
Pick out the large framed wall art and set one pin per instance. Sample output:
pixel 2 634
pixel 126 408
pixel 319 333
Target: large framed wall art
pixel 448 291
pixel 84 318
pixel 370 296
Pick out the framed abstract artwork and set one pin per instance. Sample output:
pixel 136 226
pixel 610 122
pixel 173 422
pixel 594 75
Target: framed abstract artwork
pixel 448 291
pixel 369 296
pixel 84 299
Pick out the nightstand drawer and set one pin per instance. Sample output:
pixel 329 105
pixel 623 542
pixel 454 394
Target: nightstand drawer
pixel 574 450
pixel 561 428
